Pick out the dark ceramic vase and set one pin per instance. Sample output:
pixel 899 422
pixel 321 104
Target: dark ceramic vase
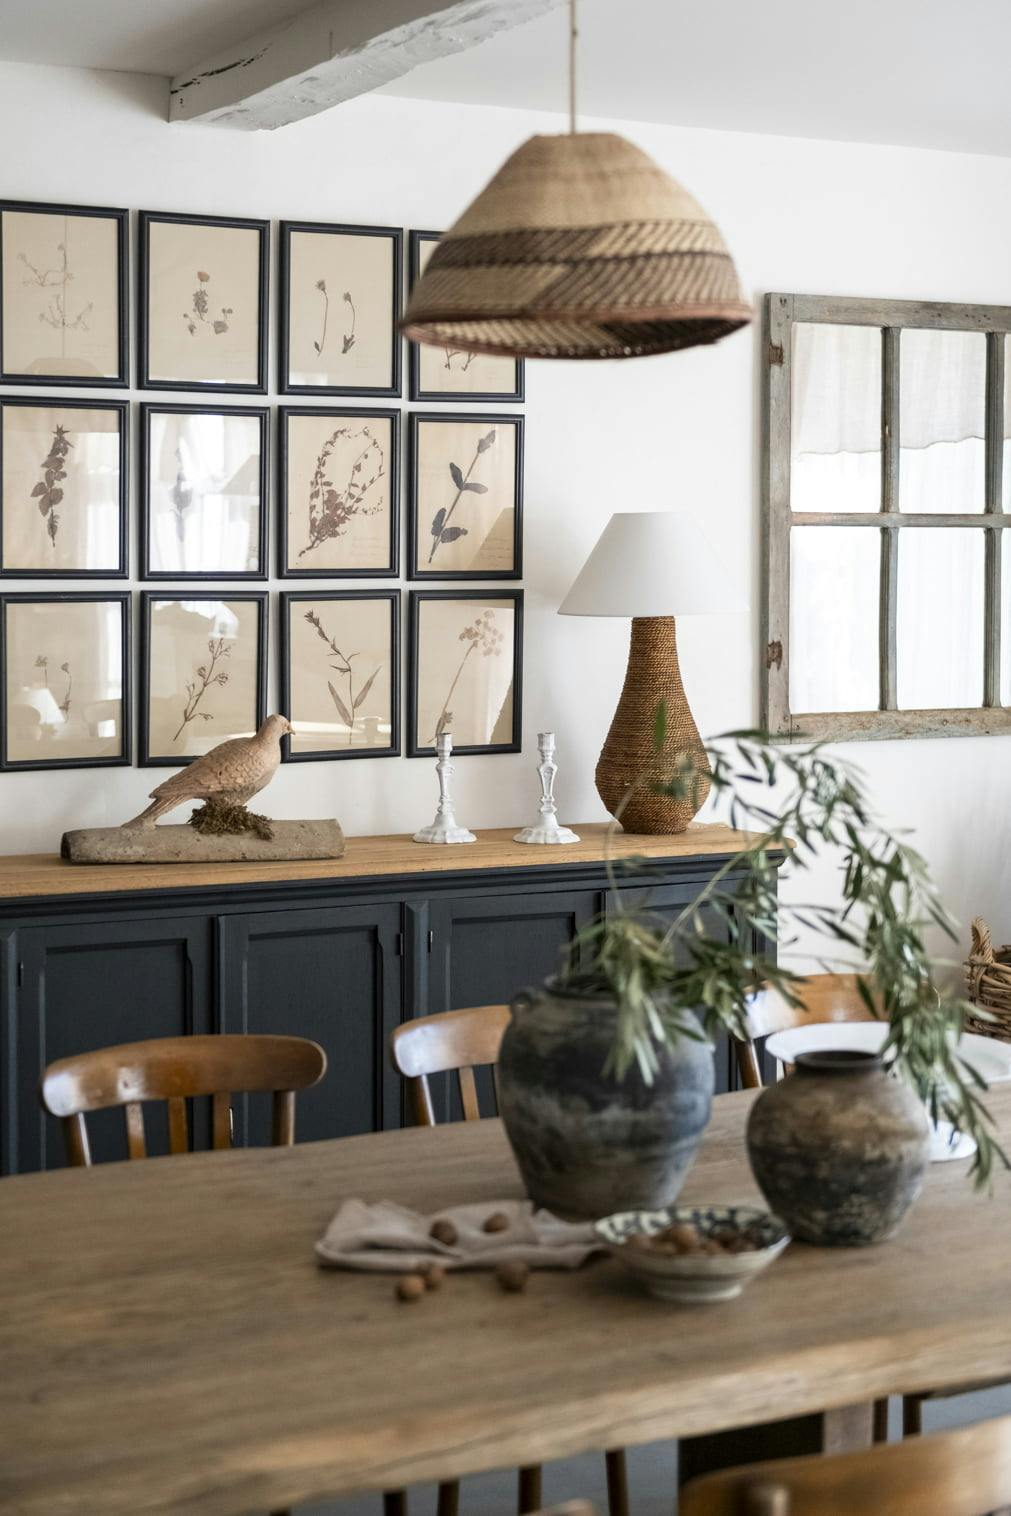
pixel 588 1144
pixel 839 1148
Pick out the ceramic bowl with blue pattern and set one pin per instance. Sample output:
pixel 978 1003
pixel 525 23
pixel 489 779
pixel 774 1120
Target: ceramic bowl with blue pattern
pixel 695 1278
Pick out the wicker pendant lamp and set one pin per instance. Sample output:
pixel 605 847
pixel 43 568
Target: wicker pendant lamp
pixel 579 247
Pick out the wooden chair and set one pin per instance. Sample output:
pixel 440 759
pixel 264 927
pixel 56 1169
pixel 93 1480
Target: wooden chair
pixel 459 1042
pixel 175 1069
pixel 963 1473
pixel 826 997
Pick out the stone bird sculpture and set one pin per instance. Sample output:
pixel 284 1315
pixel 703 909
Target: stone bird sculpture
pixel 234 771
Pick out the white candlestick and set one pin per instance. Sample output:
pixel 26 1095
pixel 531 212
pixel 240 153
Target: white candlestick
pixel 546 829
pixel 444 828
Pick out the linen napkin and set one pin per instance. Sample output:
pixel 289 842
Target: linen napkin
pixel 386 1236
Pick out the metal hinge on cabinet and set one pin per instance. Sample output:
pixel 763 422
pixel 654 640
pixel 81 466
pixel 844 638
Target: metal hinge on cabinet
pixel 431 939
pixel 776 353
pixel 20 975
pixel 398 945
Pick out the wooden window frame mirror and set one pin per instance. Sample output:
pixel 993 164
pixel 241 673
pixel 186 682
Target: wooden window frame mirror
pixel 782 314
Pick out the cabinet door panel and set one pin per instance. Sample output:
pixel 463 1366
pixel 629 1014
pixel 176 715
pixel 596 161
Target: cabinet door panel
pixel 485 950
pixel 95 984
pixel 332 976
pixel 666 902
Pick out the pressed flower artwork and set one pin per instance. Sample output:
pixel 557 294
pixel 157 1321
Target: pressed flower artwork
pixel 339 674
pixel 203 673
pixel 65 680
pixel 203 491
pixel 63 284
pixel 466 496
pixel 340 303
pixel 465 663
pixel 63 488
pixel 339 477
pixel 448 373
pixel 203 294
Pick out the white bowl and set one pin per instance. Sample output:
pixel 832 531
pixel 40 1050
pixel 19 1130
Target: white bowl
pixel 693 1278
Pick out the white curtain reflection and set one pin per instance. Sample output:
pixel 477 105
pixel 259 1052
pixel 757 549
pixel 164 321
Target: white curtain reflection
pixel 942 420
pixel 940 618
pixel 834 578
pixel 836 422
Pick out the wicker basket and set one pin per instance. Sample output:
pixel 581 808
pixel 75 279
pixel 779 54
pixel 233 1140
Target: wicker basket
pixel 988 980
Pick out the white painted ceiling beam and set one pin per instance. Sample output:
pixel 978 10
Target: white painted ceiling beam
pixel 332 51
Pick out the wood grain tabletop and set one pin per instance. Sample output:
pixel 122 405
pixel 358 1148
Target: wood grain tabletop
pixel 168 1342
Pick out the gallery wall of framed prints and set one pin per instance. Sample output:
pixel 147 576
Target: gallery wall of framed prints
pixel 368 472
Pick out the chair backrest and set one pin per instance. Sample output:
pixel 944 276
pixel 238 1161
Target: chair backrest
pixel 825 997
pixel 963 1473
pixel 174 1069
pixel 452 1042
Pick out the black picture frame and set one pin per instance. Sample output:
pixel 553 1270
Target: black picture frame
pixel 123 599
pixel 293 597
pixel 147 219
pixel 151 408
pixel 339 229
pixel 47 402
pixel 284 413
pixel 515 396
pixel 417 419
pixel 119 380
pixel 148 598
pixel 417 598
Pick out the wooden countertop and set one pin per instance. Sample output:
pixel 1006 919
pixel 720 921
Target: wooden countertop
pixel 38 874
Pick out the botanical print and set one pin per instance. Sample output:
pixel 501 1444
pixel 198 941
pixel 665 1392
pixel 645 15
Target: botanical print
pixel 450 371
pixel 464 671
pixel 340 296
pixel 340 674
pixel 206 677
pixel 200 316
pixel 348 340
pixel 338 477
pixel 201 674
pixel 203 304
pixel 60 294
pixel 465 496
pixel 61 488
pixel 203 491
pixel 63 698
pixel 48 492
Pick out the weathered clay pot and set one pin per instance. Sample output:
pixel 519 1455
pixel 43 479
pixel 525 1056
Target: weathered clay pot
pixel 586 1144
pixel 839 1148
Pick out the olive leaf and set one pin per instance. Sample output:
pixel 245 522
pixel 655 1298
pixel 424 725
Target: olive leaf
pixel 477 489
pixel 437 522
pixel 452 533
pixel 486 442
pixel 457 473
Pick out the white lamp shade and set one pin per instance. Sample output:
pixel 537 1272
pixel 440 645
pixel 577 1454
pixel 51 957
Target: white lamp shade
pixel 651 563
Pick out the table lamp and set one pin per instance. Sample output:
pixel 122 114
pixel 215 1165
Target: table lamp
pixel 651 566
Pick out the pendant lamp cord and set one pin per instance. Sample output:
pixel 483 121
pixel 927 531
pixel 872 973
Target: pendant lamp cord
pixel 573 38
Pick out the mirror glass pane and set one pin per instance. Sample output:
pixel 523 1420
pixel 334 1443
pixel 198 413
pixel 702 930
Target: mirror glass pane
pixel 834 586
pixel 942 416
pixel 835 438
pixel 1005 634
pixel 939 631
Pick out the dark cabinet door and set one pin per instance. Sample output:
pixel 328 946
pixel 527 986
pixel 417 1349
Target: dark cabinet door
pixel 667 902
pixel 484 950
pixel 332 975
pixel 93 984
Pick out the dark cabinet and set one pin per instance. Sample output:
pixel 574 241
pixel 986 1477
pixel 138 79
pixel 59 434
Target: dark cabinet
pixel 88 985
pixel 332 975
pixel 483 950
pixel 339 959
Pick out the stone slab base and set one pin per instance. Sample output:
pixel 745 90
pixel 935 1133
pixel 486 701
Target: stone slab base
pixel 183 844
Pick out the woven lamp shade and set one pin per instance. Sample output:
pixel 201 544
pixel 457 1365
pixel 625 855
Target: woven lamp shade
pixel 580 247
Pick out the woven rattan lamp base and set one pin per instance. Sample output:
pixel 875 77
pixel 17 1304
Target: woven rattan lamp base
pixel 629 756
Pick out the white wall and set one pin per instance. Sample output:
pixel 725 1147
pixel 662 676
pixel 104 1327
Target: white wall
pixel 682 430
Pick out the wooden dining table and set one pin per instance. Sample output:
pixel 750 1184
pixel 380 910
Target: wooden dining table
pixel 169 1343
